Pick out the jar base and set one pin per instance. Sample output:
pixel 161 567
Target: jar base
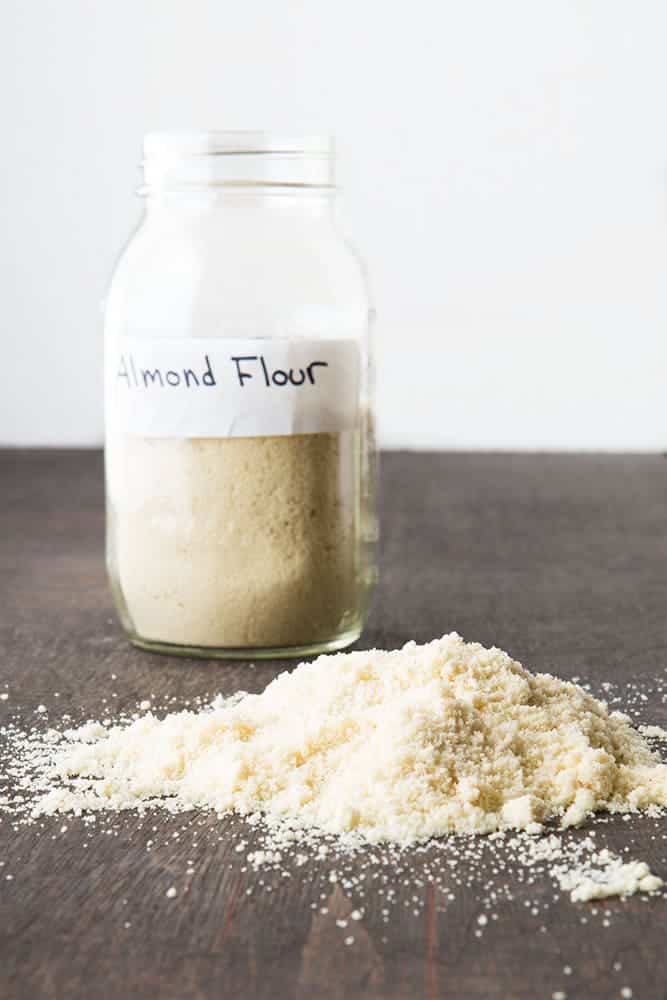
pixel 339 642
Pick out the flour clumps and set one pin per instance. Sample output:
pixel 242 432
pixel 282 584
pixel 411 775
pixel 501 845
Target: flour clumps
pixel 400 746
pixel 606 876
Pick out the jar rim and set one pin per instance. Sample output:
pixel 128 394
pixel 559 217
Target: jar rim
pixel 234 142
pixel 184 161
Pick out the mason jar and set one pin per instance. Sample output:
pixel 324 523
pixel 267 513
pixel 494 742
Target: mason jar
pixel 240 458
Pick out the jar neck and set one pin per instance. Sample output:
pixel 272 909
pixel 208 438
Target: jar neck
pixel 238 162
pixel 196 173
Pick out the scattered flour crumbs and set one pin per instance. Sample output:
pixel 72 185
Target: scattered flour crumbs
pixel 375 751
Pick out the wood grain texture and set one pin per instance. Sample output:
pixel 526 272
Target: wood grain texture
pixel 561 560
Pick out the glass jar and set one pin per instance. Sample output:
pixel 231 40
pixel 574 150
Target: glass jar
pixel 240 459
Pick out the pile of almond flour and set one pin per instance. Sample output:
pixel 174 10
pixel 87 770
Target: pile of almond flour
pixel 379 748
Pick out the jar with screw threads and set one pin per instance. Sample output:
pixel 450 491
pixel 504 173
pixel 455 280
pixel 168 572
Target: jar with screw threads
pixel 240 455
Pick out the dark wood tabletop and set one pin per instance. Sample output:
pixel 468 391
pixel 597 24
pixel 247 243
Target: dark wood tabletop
pixel 561 560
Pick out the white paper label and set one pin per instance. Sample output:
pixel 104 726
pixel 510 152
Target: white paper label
pixel 216 387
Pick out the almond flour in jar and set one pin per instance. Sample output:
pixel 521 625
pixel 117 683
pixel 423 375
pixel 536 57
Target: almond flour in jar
pixel 239 451
pixel 239 542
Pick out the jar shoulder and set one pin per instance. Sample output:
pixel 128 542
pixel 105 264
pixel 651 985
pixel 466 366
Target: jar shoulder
pixel 258 276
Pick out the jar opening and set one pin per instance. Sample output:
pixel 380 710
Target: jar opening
pixel 185 160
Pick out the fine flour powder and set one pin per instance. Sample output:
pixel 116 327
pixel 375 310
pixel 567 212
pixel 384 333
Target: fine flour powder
pixel 395 747
pixel 247 541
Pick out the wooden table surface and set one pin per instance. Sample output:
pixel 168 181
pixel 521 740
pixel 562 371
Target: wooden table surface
pixel 561 560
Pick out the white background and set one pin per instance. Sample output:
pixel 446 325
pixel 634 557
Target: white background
pixel 504 173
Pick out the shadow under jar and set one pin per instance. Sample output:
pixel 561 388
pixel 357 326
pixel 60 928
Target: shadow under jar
pixel 240 458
